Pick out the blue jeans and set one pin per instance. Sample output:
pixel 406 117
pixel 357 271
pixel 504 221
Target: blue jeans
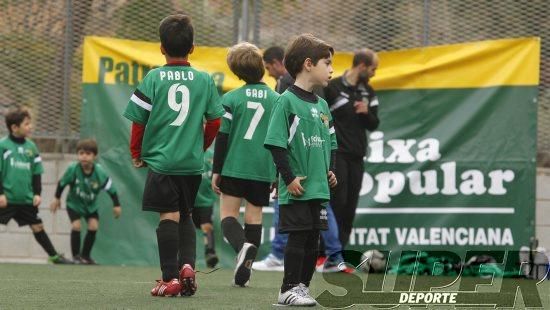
pixel 330 236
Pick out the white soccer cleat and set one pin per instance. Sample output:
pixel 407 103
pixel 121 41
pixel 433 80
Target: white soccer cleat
pixel 269 263
pixel 297 297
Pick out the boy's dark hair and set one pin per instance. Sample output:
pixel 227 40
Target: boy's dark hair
pixel 302 47
pixel 16 117
pixel 364 56
pixel 176 35
pixel 245 60
pixel 87 145
pixel 274 53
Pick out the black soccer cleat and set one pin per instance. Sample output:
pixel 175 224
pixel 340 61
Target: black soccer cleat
pixel 245 258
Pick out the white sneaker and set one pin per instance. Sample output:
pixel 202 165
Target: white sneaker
pixel 305 292
pixel 269 263
pixel 295 297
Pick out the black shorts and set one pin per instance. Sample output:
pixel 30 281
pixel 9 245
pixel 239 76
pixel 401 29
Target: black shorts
pixel 22 214
pixel 202 215
pixel 75 215
pixel 170 193
pixel 302 215
pixel 255 192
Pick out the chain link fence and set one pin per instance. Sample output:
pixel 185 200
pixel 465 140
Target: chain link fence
pixel 41 41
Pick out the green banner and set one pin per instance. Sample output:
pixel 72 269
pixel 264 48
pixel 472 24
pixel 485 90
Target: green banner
pixel 451 167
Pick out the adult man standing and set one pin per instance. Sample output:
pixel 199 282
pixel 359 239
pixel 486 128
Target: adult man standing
pixel 354 107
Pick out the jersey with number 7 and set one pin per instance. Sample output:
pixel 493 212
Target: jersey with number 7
pixel 248 110
pixel 172 102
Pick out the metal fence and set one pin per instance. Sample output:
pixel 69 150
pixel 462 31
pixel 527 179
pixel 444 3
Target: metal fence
pixel 41 40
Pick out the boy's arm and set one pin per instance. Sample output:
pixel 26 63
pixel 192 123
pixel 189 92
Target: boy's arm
pixel 220 151
pixel 37 184
pixel 59 190
pixel 111 190
pixel 210 130
pixel 136 139
pixel 137 111
pixel 222 140
pixel 280 157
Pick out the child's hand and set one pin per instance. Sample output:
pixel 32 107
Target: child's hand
pixel 295 188
pixel 36 200
pixel 138 163
pixel 361 107
pixel 332 182
pixel 117 211
pixel 3 201
pixel 56 204
pixel 275 187
pixel 216 182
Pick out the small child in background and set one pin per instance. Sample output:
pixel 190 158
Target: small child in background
pixel 202 213
pixel 20 180
pixel 86 180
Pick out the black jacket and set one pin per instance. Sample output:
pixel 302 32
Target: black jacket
pixel 350 126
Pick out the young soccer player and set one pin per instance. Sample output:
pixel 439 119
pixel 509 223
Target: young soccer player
pixel 204 206
pixel 243 168
pixel 301 139
pixel 86 180
pixel 169 136
pixel 20 180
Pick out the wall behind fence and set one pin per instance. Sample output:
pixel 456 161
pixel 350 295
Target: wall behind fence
pixel 41 41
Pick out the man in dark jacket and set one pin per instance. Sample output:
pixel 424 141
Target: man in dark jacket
pixel 354 108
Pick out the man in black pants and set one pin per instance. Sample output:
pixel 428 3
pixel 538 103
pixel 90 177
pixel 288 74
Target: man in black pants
pixel 354 107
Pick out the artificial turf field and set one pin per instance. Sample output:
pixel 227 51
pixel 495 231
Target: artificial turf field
pixel 24 286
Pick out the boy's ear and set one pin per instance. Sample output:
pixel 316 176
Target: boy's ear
pixel 13 127
pixel 192 49
pixel 308 64
pixel 162 50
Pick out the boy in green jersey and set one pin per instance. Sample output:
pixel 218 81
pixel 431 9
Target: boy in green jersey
pixel 86 180
pixel 204 206
pixel 302 141
pixel 243 168
pixel 168 110
pixel 20 180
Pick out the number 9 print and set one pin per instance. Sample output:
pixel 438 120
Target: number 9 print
pixel 183 106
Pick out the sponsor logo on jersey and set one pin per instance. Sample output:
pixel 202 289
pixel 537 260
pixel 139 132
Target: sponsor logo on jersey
pixel 314 113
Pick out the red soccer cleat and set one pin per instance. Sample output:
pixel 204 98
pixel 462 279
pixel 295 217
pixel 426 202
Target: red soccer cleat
pixel 187 280
pixel 171 288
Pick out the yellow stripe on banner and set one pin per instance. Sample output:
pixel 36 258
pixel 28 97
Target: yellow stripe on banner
pixel 468 65
pixel 508 62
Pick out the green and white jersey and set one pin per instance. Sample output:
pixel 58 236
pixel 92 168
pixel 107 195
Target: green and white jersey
pixel 18 164
pixel 172 102
pixel 248 109
pixel 84 188
pixel 305 130
pixel 206 196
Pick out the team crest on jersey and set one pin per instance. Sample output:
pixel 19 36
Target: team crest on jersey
pixel 29 152
pixel 94 184
pixel 324 119
pixel 314 113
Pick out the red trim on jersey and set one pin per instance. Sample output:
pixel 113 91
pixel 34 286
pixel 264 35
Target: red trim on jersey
pixel 136 138
pixel 179 63
pixel 210 131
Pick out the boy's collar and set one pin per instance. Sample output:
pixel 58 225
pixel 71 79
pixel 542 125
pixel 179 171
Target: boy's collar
pixel 178 63
pixel 17 140
pixel 84 172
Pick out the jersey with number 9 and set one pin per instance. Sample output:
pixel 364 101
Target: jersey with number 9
pixel 172 102
pixel 247 112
